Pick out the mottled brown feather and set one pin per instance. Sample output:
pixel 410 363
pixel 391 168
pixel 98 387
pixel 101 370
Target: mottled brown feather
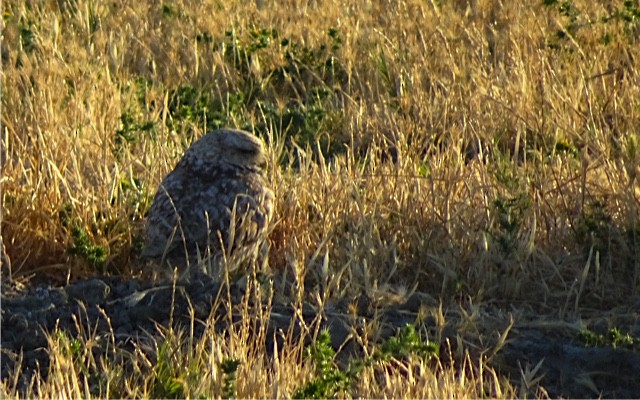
pixel 194 203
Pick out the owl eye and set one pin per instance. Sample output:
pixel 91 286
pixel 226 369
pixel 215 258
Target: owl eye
pixel 247 152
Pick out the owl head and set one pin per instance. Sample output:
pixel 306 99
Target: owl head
pixel 229 147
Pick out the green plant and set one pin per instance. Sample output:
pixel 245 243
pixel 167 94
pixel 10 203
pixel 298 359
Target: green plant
pixel 566 148
pixel 630 14
pixel 81 246
pixel 407 343
pixel 333 381
pixel 594 226
pixel 330 380
pixel 130 130
pixel 298 95
pixel 567 10
pixel 229 369
pixel 27 36
pixel 190 107
pixel 510 214
pixel 169 376
pixel 612 338
pixel 69 346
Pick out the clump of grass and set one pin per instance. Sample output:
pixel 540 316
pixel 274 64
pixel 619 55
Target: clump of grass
pixel 170 378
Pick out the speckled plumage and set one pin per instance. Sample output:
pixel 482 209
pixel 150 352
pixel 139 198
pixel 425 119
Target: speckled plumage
pixel 194 203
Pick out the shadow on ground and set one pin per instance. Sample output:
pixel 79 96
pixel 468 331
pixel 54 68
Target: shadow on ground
pixel 131 308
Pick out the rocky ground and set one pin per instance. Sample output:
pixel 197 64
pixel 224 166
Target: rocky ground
pixel 131 308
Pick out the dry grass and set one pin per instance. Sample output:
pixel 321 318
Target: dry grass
pixel 175 364
pixel 482 151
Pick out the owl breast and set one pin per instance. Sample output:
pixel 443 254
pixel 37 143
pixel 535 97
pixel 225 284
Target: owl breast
pixel 203 208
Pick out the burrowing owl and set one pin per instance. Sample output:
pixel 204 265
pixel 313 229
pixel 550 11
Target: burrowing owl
pixel 219 177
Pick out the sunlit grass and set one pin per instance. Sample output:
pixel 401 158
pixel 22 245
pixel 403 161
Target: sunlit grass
pixel 483 152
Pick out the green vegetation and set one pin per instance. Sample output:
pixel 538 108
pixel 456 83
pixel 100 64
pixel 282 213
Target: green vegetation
pixel 229 369
pixel 93 254
pixel 333 381
pixel 613 338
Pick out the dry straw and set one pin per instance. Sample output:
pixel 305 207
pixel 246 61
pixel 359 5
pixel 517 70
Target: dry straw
pixel 481 150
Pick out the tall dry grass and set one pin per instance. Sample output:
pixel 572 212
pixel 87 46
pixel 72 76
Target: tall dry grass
pixel 483 150
pixel 443 110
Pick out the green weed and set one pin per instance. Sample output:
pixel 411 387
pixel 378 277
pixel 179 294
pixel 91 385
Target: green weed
pixel 229 368
pixel 27 36
pixel 612 338
pixel 333 381
pixel 330 380
pixel 510 215
pixel 594 226
pixel 82 247
pixel 131 131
